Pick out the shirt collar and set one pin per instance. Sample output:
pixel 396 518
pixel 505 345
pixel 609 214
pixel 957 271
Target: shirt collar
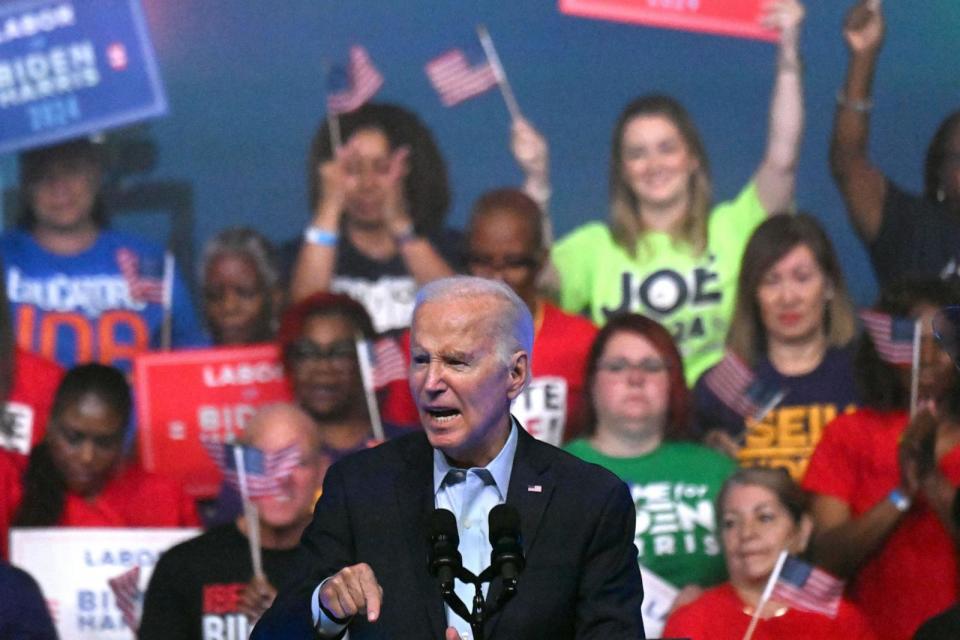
pixel 500 467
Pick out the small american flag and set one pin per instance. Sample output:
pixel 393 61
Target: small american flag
pixel 736 386
pixel 265 471
pixel 349 88
pixel 142 289
pixel 129 597
pixel 456 80
pixel 389 365
pixel 892 336
pixel 808 588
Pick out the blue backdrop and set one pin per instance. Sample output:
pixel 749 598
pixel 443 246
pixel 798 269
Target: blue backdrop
pixel 244 84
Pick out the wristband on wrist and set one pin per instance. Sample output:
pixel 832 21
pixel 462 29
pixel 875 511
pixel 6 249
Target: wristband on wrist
pixel 900 500
pixel 321 237
pixel 406 235
pixel 860 106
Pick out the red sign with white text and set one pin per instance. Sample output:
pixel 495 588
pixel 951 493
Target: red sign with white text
pixel 186 396
pixel 739 18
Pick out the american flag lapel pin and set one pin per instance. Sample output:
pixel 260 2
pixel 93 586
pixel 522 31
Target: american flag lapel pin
pixel 534 488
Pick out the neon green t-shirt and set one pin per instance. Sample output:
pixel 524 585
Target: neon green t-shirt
pixel 692 296
pixel 674 489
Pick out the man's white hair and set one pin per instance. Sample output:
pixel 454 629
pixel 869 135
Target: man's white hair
pixel 513 324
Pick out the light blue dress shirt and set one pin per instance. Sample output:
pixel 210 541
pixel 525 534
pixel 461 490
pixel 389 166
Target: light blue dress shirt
pixel 470 494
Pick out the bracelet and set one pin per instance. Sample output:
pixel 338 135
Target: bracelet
pixel 900 500
pixel 321 237
pixel 860 106
pixel 405 236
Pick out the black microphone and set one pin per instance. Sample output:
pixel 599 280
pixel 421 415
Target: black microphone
pixel 444 561
pixel 506 557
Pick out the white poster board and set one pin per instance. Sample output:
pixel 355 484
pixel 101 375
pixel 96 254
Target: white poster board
pixel 72 566
pixel 658 597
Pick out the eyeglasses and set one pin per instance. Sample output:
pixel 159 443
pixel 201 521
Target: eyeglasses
pixel 482 263
pixel 620 366
pixel 341 353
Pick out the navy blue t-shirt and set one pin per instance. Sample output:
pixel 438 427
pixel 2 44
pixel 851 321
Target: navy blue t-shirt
pixel 23 611
pixel 787 435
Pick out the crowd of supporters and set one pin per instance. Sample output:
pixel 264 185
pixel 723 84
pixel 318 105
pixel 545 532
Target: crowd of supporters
pixel 643 324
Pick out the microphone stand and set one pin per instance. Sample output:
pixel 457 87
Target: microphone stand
pixel 478 616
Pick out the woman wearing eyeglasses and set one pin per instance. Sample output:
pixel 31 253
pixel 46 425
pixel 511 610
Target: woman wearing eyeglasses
pixel 638 414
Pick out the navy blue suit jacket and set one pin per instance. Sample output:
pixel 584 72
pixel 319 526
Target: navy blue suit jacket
pixel 577 523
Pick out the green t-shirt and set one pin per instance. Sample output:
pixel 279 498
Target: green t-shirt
pixel 674 489
pixel 693 296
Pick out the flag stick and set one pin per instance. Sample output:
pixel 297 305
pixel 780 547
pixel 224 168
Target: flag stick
pixel 333 120
pixel 915 369
pixel 249 512
pixel 369 391
pixel 166 330
pixel 487 43
pixel 765 597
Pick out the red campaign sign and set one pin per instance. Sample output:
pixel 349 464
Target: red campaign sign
pixel 725 17
pixel 183 396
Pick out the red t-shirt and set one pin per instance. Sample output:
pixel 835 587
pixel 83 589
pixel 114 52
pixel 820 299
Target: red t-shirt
pixel 35 381
pixel 913 576
pixel 132 498
pixel 718 615
pixel 551 406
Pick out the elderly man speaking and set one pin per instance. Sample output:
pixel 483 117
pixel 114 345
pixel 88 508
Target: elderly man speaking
pixel 369 539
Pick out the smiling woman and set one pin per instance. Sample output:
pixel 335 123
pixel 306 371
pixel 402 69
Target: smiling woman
pixel 763 512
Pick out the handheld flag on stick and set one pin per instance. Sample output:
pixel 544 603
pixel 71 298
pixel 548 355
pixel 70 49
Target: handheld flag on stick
pixel 264 472
pixel 129 597
pixel 491 52
pixel 801 586
pixel 892 336
pixel 456 79
pixel 142 288
pixel 897 341
pixel 349 88
pixel 736 386
pixel 379 366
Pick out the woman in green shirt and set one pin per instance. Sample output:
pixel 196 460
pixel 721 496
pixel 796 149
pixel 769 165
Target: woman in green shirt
pixel 638 415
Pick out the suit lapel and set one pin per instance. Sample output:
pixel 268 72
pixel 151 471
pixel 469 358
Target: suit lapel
pixel 415 498
pixel 531 487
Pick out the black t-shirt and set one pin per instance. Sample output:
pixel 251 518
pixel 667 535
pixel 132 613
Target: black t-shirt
pixel 385 287
pixel 917 238
pixel 945 626
pixel 195 588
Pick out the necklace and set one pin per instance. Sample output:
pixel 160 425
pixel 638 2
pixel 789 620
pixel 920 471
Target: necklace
pixel 779 611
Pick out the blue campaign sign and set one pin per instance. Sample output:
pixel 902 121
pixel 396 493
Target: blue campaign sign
pixel 72 67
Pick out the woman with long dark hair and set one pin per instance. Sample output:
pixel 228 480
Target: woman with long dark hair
pixel 792 326
pixel 378 204
pixel 78 477
pixel 876 476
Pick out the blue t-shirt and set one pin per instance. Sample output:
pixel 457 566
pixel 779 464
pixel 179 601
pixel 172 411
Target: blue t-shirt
pixel 82 308
pixel 786 436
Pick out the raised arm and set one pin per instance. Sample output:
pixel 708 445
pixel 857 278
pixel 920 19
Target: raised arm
pixel 532 154
pixel 420 257
pixel 862 185
pixel 313 270
pixel 776 176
